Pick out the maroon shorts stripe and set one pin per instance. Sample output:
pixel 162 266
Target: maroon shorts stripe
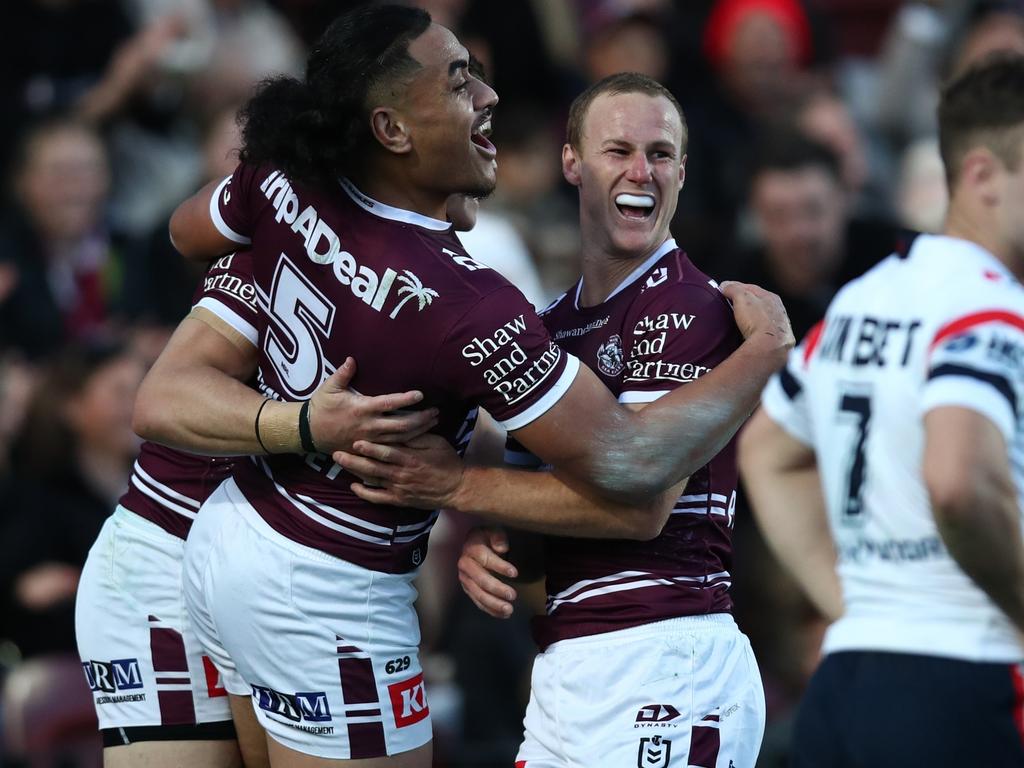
pixel 1018 699
pixel 359 686
pixel 704 747
pixel 176 708
pixel 168 651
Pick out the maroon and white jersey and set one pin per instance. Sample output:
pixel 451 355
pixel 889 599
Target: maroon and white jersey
pixel 339 274
pixel 664 326
pixel 168 486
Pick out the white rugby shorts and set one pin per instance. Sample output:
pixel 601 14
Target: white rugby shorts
pixel 327 650
pixel 139 654
pixel 680 692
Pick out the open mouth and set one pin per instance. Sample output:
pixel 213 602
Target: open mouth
pixel 479 136
pixel 638 207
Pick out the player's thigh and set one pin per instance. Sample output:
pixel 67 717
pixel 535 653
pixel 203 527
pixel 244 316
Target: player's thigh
pixel 252 739
pixel 140 657
pixel 283 757
pixel 328 649
pixel 174 754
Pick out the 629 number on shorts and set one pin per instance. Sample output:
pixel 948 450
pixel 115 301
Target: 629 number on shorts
pixel 398 665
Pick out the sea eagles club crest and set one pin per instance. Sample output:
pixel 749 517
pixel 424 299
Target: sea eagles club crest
pixel 609 357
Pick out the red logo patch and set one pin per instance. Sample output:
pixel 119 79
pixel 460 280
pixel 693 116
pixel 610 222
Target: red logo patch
pixel 409 701
pixel 214 687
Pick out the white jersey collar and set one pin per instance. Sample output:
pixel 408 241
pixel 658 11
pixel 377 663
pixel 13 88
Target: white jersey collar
pixel 960 251
pixel 385 211
pixel 666 247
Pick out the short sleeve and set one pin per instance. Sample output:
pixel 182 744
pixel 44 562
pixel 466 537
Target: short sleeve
pixel 673 336
pixel 976 361
pixel 499 356
pixel 785 401
pixel 237 198
pixel 227 291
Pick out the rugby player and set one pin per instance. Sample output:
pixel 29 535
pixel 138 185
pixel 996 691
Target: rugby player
pixel 159 700
pixel 640 658
pixel 889 450
pixel 366 266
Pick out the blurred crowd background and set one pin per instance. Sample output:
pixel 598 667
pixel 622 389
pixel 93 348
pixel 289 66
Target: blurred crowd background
pixel 812 150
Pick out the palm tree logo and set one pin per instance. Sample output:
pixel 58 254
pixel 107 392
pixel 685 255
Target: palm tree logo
pixel 413 288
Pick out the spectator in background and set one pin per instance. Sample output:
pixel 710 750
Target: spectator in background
pixel 810 244
pixel 532 195
pixel 628 43
pixel 158 281
pixel 761 54
pixel 59 257
pixel 72 461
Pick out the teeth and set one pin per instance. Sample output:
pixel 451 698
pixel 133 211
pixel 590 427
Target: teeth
pixel 483 129
pixel 635 201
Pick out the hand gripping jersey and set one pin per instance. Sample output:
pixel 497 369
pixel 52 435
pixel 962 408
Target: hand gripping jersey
pixel 339 274
pixel 942 327
pixel 666 325
pixel 167 486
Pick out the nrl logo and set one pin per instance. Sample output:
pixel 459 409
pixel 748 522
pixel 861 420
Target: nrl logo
pixel 654 752
pixel 609 357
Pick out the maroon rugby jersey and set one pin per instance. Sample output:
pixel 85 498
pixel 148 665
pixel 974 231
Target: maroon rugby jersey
pixel 339 274
pixel 167 486
pixel 665 325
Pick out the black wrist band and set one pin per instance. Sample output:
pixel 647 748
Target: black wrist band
pixel 257 425
pixel 305 433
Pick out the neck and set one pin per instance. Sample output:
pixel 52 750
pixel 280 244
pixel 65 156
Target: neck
pixel 391 187
pixel 962 225
pixel 105 473
pixel 604 268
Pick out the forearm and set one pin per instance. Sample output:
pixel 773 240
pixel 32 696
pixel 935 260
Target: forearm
pixel 790 511
pixel 220 422
pixel 983 535
pixel 681 432
pixel 540 502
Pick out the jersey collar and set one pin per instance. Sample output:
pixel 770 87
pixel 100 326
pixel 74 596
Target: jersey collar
pixel 384 211
pixel 963 252
pixel 666 247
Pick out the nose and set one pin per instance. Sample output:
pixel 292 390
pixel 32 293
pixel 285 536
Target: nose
pixel 484 97
pixel 639 170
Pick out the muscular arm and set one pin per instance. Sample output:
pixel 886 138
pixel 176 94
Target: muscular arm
pixel 970 484
pixel 427 474
pixel 781 479
pixel 193 398
pixel 633 456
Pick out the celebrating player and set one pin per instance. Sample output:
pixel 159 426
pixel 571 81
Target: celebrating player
pixel 904 403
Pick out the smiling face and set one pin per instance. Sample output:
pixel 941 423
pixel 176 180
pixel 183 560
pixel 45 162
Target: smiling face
pixel 446 115
pixel 629 168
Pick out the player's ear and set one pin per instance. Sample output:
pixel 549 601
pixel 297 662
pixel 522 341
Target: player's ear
pixel 571 165
pixel 682 172
pixel 979 170
pixel 391 130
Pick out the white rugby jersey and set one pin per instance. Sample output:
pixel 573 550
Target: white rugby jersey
pixel 943 326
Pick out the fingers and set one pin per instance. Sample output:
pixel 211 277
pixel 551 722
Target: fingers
pixel 499 542
pixel 375 495
pixel 343 375
pixel 363 467
pixel 394 401
pixel 401 428
pixel 488 593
